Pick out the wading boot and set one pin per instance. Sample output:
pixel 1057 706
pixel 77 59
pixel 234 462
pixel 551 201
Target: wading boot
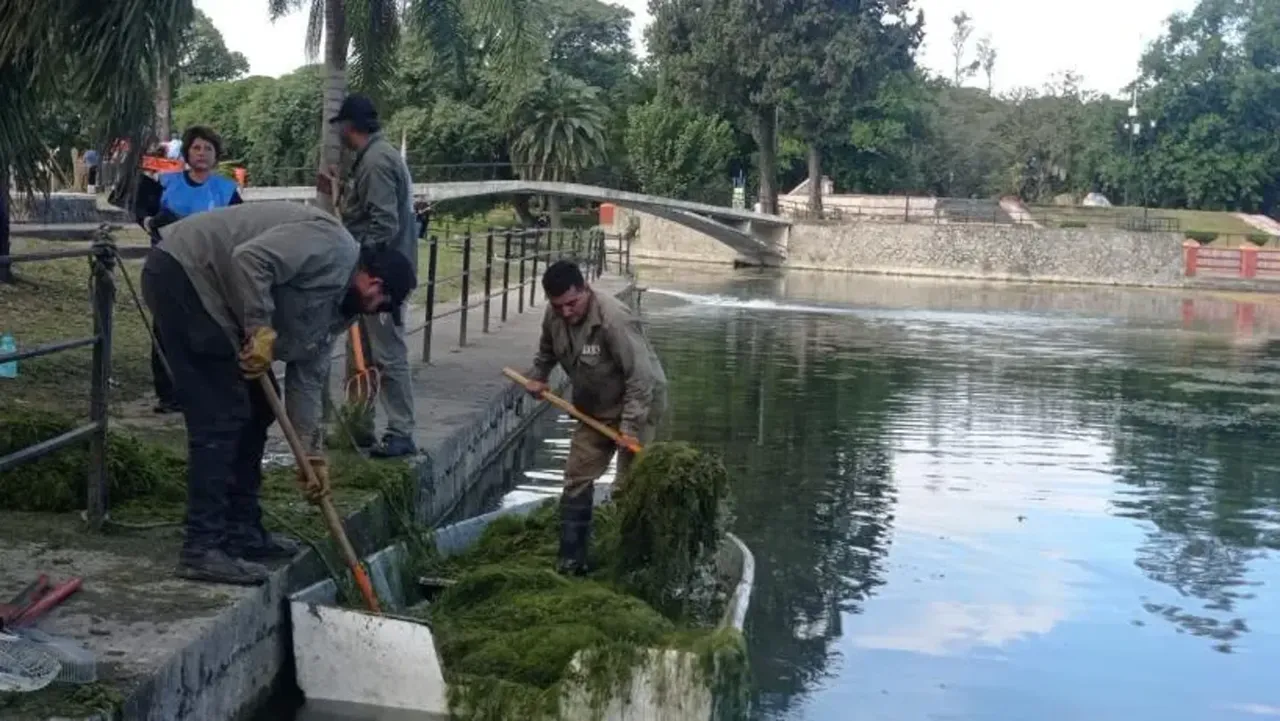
pixel 575 533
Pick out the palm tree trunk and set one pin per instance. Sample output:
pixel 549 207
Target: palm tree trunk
pixel 335 89
pixel 815 180
pixel 164 98
pixel 6 271
pixel 553 210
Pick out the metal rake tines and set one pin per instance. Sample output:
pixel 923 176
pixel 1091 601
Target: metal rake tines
pixel 363 387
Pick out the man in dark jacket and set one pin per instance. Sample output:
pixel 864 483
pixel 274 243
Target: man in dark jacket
pixel 277 281
pixel 377 208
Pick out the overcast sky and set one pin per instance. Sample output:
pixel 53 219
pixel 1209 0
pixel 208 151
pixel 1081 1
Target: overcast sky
pixel 1100 39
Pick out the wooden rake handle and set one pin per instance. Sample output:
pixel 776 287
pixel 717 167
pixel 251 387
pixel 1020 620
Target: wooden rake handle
pixel 572 410
pixel 331 517
pixel 357 349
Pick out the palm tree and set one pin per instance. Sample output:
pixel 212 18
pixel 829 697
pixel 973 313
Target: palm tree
pixel 558 128
pixel 367 32
pixel 104 55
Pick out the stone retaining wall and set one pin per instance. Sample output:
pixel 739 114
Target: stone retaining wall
pixel 982 251
pixel 1002 252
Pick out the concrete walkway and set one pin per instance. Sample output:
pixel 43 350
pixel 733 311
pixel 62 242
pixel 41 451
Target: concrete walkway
pixel 182 651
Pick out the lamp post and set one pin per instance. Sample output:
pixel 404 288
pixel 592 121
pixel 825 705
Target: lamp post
pixel 1134 126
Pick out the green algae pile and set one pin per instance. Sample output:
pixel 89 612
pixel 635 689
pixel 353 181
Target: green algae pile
pixel 673 516
pixel 510 626
pixel 58 482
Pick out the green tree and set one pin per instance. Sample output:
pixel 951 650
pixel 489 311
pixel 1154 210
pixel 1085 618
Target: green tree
pixel 728 57
pixel 679 152
pixel 204 56
pixel 589 40
pixel 268 124
pixel 838 56
pixel 560 124
pixel 106 55
pixel 367 33
pixel 1211 85
pixel 961 31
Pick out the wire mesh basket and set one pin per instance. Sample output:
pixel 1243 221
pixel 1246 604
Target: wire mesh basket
pixel 24 666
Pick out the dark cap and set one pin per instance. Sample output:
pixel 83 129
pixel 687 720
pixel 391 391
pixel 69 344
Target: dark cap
pixel 359 110
pixel 398 275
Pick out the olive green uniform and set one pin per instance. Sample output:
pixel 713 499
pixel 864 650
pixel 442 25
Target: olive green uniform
pixel 617 379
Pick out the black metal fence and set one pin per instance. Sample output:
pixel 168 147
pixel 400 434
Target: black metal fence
pixel 472 267
pixel 102 256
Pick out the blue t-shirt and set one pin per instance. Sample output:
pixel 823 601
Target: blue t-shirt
pixel 184 198
pixel 91 158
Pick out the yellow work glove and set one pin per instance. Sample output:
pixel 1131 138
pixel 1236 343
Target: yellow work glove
pixel 255 356
pixel 319 490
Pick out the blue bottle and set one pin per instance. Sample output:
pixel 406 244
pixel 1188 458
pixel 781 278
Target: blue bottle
pixel 8 345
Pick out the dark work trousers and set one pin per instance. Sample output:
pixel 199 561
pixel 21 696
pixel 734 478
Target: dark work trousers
pixel 165 393
pixel 227 417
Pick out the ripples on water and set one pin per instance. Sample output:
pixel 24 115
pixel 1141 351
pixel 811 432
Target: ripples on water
pixel 984 502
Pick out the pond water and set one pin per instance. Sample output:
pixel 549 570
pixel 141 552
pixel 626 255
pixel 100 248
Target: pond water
pixel 977 501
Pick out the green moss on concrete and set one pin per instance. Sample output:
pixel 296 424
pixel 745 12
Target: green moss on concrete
pixel 62 701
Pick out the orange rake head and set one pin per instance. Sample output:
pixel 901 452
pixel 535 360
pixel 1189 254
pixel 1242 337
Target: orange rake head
pixel 363 385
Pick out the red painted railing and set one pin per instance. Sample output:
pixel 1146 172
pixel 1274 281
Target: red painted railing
pixel 1243 262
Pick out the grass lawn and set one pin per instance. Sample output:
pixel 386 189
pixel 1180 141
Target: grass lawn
pixel 51 302
pixel 1189 221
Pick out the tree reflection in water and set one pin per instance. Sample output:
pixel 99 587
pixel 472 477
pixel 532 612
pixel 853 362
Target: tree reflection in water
pixel 789 409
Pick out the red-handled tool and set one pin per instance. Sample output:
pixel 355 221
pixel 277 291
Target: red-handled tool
pixel 46 602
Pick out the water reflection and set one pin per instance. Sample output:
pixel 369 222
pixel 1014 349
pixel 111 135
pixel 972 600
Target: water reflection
pixel 975 501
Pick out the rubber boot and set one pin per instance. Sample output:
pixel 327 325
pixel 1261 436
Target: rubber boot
pixel 575 533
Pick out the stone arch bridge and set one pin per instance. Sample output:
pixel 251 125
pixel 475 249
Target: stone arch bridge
pixel 757 238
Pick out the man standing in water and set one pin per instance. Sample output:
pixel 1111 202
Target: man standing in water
pixel 276 281
pixel 617 378
pixel 378 210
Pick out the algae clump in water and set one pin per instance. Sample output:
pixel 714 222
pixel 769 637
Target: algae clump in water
pixel 510 628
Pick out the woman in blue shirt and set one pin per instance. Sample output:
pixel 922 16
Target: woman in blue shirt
pixel 173 196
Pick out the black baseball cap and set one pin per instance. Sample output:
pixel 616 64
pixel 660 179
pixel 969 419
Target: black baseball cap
pixel 360 111
pixel 398 275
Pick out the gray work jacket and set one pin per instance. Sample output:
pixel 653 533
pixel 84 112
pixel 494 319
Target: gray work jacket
pixel 281 264
pixel 377 204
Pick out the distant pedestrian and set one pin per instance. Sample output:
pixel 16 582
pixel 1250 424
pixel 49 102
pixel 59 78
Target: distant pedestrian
pixel 173 149
pixel 377 207
pixel 92 161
